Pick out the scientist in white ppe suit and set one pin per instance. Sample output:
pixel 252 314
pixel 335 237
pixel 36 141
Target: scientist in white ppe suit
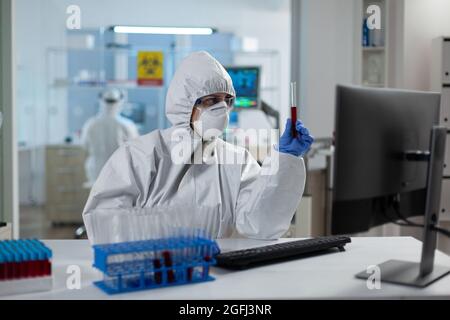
pixel 105 133
pixel 241 197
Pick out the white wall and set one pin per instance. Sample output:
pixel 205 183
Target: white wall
pixel 41 23
pixel 327 50
pixel 35 31
pixel 424 20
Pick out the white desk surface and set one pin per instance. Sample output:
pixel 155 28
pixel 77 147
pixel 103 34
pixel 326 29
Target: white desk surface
pixel 329 276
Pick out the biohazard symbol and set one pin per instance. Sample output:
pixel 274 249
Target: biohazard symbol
pixel 150 67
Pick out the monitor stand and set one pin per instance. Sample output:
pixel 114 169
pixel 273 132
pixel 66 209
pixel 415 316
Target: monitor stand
pixel 424 273
pixel 406 273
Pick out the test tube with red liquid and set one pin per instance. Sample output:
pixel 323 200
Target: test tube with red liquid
pixel 294 109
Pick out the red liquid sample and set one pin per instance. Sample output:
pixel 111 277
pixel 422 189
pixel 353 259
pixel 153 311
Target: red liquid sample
pixel 294 121
pixel 189 273
pixel 9 270
pixel 36 268
pixel 158 275
pixel 168 263
pixel 2 271
pixel 206 268
pixel 48 268
pixel 32 268
pixel 23 269
pixel 42 267
pixel 16 270
pixel 28 269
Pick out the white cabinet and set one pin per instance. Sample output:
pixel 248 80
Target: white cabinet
pixel 447 158
pixel 440 82
pixel 445 106
pixel 445 201
pixel 446 61
pixel 65 177
pixel 440 63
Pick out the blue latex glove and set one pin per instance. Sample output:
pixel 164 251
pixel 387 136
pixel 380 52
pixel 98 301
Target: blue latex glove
pixel 296 146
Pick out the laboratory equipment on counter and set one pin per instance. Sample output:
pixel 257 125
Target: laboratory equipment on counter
pixel 294 109
pixel 155 263
pixel 254 257
pixel 271 112
pixel 25 266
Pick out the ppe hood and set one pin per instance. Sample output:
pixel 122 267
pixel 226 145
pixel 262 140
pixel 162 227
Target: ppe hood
pixel 198 75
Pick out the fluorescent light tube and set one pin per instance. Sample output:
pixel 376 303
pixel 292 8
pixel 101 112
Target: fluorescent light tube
pixel 163 30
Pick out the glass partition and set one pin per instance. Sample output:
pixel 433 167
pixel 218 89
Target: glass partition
pixel 53 183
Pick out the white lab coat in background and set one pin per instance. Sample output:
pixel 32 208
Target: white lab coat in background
pixel 237 197
pixel 101 136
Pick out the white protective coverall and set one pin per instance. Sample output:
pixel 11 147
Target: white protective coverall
pixel 104 134
pixel 240 197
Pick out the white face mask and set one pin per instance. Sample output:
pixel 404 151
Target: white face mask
pixel 212 121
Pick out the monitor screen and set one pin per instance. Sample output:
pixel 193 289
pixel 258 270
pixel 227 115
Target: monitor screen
pixel 372 181
pixel 246 83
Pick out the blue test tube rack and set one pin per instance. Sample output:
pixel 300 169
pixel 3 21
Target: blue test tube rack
pixel 156 263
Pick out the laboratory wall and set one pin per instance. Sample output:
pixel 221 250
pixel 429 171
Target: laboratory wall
pixel 36 30
pixel 329 36
pixel 50 159
pixel 424 20
pixel 330 41
pixel 327 39
pixel 42 24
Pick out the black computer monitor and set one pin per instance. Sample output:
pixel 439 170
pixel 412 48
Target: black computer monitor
pixel 246 83
pixel 376 131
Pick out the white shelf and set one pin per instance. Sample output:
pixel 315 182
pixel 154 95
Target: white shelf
pixel 376 49
pixel 440 56
pixel 371 62
pixel 374 85
pixel 102 86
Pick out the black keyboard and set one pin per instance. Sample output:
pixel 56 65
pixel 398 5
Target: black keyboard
pixel 248 258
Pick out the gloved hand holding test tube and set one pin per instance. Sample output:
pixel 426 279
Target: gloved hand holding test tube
pixel 296 139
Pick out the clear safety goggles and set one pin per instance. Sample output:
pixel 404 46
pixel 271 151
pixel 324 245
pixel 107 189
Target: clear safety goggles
pixel 209 101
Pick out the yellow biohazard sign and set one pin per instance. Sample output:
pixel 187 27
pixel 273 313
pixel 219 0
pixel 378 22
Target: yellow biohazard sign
pixel 150 68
